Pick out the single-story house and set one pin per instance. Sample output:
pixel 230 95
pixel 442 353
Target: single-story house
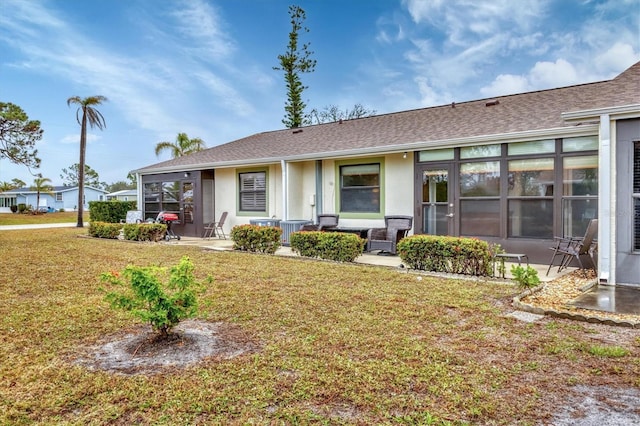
pixel 62 197
pixel 516 170
pixel 123 195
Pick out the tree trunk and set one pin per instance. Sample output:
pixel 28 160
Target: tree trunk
pixel 83 149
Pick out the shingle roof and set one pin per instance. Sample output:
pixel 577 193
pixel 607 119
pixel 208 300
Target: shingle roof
pixel 28 190
pixel 511 114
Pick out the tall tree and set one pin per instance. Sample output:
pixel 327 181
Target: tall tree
pixel 333 113
pixel 71 176
pixel 14 184
pixel 182 146
pixel 85 114
pixel 293 62
pixel 18 136
pixel 41 185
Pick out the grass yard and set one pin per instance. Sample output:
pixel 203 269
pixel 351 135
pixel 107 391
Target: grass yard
pixel 28 219
pixel 338 344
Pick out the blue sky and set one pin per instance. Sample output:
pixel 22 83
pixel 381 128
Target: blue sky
pixel 205 67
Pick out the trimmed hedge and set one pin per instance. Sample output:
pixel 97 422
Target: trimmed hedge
pixel 257 239
pixel 104 229
pixel 456 255
pixel 144 231
pixel 110 211
pixel 340 247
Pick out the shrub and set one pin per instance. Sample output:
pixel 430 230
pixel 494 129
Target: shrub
pixel 456 255
pixel 526 278
pixel 146 297
pixel 254 238
pixel 110 211
pixel 22 208
pixel 104 230
pixel 14 208
pixel 340 247
pixel 144 231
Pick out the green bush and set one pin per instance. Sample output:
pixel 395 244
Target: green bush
pixel 22 208
pixel 340 247
pixel 104 230
pixel 456 255
pixel 14 208
pixel 146 297
pixel 110 211
pixel 144 231
pixel 253 238
pixel 526 278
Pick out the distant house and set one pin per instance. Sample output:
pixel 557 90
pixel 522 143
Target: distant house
pixel 515 170
pixel 62 197
pixel 123 195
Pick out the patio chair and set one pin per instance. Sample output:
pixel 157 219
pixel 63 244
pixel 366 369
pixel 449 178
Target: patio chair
pixel 325 221
pixel 215 228
pixel 386 239
pixel 133 216
pixel 573 248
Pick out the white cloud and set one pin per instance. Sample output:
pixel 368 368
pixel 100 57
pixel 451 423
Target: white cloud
pixel 506 84
pixel 75 138
pixel 553 74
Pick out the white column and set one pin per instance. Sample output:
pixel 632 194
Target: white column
pixel 606 205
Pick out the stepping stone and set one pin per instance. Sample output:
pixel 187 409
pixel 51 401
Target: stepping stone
pixel 525 316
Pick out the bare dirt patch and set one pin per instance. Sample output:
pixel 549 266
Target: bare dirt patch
pixel 139 350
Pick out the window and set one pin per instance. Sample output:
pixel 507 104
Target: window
pixel 579 193
pixel 360 188
pixel 480 198
pixel 530 201
pixel 533 147
pixel 436 155
pixel 58 196
pixel 636 196
pixel 253 191
pixel 8 201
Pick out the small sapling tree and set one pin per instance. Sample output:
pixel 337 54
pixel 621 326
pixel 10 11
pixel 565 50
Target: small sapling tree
pixel 141 291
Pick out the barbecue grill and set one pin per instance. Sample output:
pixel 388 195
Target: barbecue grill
pixel 169 219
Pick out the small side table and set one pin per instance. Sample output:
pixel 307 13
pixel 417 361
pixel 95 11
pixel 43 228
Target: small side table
pixel 518 256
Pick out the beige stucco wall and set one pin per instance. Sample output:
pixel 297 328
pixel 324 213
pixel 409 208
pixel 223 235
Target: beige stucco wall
pixel 226 195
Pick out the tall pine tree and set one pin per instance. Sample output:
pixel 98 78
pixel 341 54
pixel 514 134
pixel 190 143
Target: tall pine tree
pixel 293 62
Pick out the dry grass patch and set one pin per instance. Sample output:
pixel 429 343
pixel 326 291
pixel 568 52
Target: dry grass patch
pixel 338 344
pixel 29 219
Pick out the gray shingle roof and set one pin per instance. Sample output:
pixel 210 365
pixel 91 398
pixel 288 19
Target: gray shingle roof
pixel 514 113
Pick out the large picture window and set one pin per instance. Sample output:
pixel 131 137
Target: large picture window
pixel 579 193
pixel 360 188
pixel 531 184
pixel 253 191
pixel 480 198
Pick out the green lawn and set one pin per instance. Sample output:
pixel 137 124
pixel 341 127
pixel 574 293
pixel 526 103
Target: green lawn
pixel 339 344
pixel 28 219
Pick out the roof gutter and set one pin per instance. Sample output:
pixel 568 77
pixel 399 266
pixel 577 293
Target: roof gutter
pixel 624 111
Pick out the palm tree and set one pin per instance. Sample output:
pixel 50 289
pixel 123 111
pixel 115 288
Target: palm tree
pixel 182 146
pixel 94 118
pixel 40 185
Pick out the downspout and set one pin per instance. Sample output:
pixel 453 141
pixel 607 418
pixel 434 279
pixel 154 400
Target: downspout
pixel 319 195
pixel 139 192
pixel 606 217
pixel 285 190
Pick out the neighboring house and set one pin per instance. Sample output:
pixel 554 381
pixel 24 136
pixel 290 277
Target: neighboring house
pixel 123 195
pixel 62 197
pixel 515 170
